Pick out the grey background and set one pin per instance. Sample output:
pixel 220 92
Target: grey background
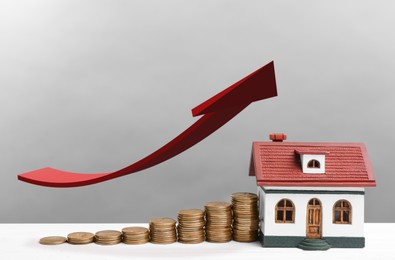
pixel 92 86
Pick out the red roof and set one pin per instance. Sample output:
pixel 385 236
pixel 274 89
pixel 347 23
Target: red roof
pixel 278 164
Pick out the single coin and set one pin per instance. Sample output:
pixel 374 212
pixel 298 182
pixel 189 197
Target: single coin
pixel 108 233
pixel 244 195
pixel 162 221
pixel 135 230
pixel 191 212
pixel 52 240
pixel 108 243
pixel 217 204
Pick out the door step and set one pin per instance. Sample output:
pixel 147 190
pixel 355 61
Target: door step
pixel 314 244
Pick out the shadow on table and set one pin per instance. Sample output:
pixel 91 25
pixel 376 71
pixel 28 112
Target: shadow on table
pixel 149 250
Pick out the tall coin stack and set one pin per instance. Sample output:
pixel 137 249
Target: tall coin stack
pixel 218 222
pixel 135 235
pixel 191 226
pixel 163 230
pixel 245 217
pixel 108 237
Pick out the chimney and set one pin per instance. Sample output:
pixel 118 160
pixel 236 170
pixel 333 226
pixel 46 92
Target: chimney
pixel 278 137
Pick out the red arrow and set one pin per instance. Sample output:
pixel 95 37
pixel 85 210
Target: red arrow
pixel 218 110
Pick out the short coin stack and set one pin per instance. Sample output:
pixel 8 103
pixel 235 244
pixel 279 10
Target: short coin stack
pixel 108 237
pixel 218 222
pixel 135 235
pixel 80 238
pixel 191 226
pixel 245 216
pixel 163 230
pixel 52 240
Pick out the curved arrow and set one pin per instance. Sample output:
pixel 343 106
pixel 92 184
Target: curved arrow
pixel 217 111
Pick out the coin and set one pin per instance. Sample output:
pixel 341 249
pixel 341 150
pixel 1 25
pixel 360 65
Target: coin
pixel 162 221
pixel 108 234
pixel 217 205
pixel 52 240
pixel 135 230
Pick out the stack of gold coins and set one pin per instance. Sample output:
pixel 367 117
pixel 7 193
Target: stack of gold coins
pixel 80 238
pixel 191 226
pixel 135 235
pixel 245 217
pixel 108 237
pixel 218 222
pixel 163 230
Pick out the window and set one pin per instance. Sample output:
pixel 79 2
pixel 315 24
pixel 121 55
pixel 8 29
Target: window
pixel 314 202
pixel 342 212
pixel 313 164
pixel 285 211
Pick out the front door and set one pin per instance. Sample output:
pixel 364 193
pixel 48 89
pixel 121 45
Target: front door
pixel 314 219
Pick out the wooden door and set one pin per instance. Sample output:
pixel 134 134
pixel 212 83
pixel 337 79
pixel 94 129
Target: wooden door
pixel 314 219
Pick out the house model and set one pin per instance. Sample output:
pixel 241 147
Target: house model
pixel 311 195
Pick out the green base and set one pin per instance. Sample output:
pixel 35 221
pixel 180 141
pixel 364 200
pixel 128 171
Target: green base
pixel 346 242
pixel 294 241
pixel 314 244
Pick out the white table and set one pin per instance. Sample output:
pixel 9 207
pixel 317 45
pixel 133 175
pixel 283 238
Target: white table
pixel 20 241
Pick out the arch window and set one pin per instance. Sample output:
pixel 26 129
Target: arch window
pixel 342 212
pixel 285 211
pixel 313 164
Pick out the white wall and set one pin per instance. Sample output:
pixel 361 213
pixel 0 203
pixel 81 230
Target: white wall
pixel 261 196
pixel 269 227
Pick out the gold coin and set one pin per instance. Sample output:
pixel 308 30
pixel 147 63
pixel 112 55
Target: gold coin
pixel 244 195
pixel 162 221
pixel 191 212
pixel 164 241
pixel 108 243
pixel 217 204
pixel 108 234
pixel 52 240
pixel 135 242
pixel 135 230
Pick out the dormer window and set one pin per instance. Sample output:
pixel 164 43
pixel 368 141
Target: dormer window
pixel 312 162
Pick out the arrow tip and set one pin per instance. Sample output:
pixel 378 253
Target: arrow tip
pixel 261 84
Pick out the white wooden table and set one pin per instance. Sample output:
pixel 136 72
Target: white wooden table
pixel 20 241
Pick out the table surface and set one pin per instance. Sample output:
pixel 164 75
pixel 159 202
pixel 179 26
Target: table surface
pixel 20 241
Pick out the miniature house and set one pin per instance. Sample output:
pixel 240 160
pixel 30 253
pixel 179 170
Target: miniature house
pixel 311 195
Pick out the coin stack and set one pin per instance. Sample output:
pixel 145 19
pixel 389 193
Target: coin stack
pixel 219 222
pixel 245 217
pixel 108 237
pixel 52 240
pixel 80 238
pixel 191 226
pixel 135 235
pixel 163 230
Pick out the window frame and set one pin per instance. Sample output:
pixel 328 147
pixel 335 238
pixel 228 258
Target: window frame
pixel 314 164
pixel 345 206
pixel 284 210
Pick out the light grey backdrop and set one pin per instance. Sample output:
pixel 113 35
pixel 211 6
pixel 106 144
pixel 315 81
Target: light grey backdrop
pixel 92 86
